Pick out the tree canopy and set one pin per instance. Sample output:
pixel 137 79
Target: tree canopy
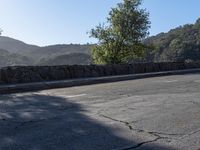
pixel 120 38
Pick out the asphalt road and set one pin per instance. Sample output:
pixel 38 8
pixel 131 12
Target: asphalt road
pixel 161 113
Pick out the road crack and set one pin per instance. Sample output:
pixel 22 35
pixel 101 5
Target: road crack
pixel 124 122
pixel 189 134
pixel 141 144
pixel 157 135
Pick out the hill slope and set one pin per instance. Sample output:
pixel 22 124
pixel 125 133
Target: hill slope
pixel 15 46
pixel 15 52
pixel 57 50
pixel 180 44
pixel 67 59
pixel 13 59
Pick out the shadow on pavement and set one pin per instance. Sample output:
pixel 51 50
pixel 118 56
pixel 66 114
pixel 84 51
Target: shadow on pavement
pixel 42 122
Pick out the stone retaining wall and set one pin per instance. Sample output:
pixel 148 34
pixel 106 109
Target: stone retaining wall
pixel 26 74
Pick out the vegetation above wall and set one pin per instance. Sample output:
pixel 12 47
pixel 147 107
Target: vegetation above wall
pixel 179 44
pixel 120 38
pixel 14 52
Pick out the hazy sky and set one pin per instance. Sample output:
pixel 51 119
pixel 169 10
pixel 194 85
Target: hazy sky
pixel 46 22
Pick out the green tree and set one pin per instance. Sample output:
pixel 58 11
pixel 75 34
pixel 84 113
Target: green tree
pixel 120 38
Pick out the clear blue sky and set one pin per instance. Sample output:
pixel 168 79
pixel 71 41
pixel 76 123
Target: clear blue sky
pixel 46 22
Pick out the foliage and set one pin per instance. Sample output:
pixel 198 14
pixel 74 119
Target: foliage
pixel 180 44
pixel 120 39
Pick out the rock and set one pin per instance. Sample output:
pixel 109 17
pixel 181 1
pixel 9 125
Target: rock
pixel 24 74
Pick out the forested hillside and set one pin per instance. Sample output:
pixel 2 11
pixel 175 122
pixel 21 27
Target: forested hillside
pixel 66 59
pixel 14 52
pixel 180 44
pixel 13 59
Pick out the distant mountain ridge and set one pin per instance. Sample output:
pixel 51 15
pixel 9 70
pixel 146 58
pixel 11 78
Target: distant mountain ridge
pixel 15 46
pixel 56 50
pixel 179 44
pixel 47 55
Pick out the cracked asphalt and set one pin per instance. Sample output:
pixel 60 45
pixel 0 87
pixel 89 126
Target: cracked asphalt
pixel 161 113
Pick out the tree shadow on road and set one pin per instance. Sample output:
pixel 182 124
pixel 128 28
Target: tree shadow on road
pixel 42 122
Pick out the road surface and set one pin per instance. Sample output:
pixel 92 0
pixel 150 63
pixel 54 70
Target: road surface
pixel 161 113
